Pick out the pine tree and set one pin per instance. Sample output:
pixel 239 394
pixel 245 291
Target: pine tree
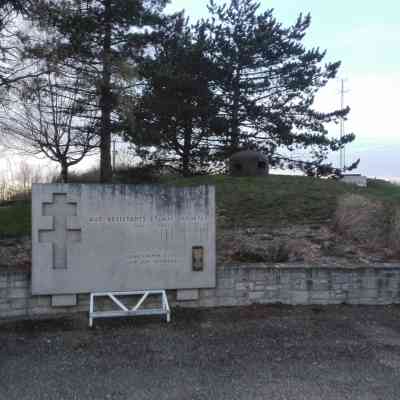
pixel 269 82
pixel 103 39
pixel 177 110
pixel 13 13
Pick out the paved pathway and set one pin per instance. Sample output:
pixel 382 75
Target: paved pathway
pixel 245 353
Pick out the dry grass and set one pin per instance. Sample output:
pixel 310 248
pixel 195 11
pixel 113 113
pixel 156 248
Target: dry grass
pixel 394 233
pixel 369 222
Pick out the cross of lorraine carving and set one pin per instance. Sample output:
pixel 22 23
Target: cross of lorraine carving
pixel 60 235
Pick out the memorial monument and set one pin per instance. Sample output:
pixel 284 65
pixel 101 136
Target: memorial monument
pixel 90 238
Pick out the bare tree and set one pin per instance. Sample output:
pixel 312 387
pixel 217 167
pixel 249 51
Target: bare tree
pixel 17 176
pixel 47 119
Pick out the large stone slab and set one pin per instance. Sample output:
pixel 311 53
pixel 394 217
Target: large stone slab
pixel 91 238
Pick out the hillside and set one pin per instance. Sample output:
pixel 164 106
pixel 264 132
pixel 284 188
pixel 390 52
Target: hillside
pixel 281 199
pixel 249 202
pixel 15 220
pixel 272 220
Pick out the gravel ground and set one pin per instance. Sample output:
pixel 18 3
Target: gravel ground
pixel 259 352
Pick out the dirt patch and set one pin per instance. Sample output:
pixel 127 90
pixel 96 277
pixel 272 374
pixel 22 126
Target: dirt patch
pixel 317 245
pixel 15 254
pixel 311 244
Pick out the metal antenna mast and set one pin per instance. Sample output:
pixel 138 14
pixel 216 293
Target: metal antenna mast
pixel 342 162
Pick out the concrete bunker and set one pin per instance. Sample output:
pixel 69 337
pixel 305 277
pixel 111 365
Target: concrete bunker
pixel 249 163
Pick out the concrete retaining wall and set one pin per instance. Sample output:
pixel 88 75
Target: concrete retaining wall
pixel 239 285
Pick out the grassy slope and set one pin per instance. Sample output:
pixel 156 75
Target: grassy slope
pixel 15 220
pixel 283 199
pixel 250 201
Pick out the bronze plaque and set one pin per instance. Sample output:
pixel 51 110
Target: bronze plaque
pixel 197 258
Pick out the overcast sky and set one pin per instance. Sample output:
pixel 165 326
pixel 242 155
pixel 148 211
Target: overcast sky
pixel 365 36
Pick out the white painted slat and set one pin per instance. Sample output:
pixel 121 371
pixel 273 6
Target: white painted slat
pixel 140 302
pixel 124 311
pixel 117 302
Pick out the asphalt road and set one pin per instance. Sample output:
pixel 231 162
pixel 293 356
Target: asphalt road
pixel 244 353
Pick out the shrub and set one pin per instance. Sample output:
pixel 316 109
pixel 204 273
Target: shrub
pixel 90 176
pixel 364 220
pixel 277 251
pixel 139 174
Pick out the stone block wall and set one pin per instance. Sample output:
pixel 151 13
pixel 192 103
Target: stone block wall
pixel 239 285
pixel 16 299
pixel 301 285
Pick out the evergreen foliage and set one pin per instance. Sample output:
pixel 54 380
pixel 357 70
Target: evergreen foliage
pixel 270 81
pixel 252 85
pixel 102 39
pixel 187 96
pixel 177 109
pixel 12 41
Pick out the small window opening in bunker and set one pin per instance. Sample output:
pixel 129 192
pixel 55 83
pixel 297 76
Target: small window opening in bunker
pixel 261 165
pixel 238 167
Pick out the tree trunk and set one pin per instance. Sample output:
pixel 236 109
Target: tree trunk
pixel 185 166
pixel 186 152
pixel 106 103
pixel 235 129
pixel 64 172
